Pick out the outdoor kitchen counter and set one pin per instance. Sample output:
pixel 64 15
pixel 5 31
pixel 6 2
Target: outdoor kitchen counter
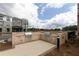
pixel 34 48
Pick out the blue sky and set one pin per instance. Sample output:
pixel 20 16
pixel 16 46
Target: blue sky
pixel 43 15
pixel 50 12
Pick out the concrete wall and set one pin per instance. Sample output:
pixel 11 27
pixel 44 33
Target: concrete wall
pixel 53 37
pixel 19 37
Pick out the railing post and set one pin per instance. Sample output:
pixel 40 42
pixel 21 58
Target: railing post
pixel 58 42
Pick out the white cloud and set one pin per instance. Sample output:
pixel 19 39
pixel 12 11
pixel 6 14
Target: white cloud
pixel 21 10
pixel 29 11
pixel 61 20
pixel 65 19
pixel 50 5
pixel 55 5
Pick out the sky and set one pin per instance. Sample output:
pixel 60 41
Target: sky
pixel 43 15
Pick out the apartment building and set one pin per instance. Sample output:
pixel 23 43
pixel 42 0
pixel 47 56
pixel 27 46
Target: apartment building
pixel 19 25
pixel 5 32
pixel 9 24
pixel 5 23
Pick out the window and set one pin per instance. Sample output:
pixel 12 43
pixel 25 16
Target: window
pixel 0 29
pixel 8 19
pixel 24 30
pixel 8 30
pixel 1 18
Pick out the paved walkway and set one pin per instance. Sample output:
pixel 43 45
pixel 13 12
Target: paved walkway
pixel 34 48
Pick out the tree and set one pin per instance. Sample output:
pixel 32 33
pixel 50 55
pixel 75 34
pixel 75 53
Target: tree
pixel 74 27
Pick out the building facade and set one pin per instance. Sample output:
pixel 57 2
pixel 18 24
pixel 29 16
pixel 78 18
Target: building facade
pixel 5 23
pixel 19 25
pixel 9 24
pixel 16 25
